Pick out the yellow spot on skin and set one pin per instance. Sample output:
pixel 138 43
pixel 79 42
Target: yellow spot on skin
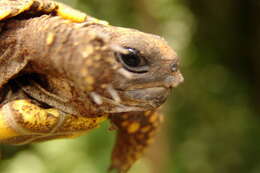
pixel 110 60
pixel 132 128
pixel 116 66
pixel 89 88
pixel 97 57
pixel 90 80
pixel 161 118
pixel 145 129
pixel 153 118
pixel 147 113
pixel 50 38
pixel 103 86
pixel 150 141
pixel 87 51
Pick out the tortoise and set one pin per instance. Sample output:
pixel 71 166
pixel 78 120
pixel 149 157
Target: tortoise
pixel 63 72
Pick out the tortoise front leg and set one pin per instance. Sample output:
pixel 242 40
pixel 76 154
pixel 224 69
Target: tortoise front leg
pixel 136 131
pixel 22 122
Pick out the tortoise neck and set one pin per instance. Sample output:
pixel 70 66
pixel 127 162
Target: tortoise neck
pixel 57 47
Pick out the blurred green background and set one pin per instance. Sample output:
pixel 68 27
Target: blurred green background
pixel 212 120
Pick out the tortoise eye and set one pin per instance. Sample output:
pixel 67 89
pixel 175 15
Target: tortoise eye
pixel 133 61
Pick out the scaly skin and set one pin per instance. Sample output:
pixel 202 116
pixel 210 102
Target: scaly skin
pixel 50 51
pixel 136 132
pixel 59 79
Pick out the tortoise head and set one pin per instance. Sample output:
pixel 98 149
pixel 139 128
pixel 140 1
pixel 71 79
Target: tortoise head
pixel 147 70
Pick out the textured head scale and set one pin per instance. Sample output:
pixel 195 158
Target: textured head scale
pixel 148 70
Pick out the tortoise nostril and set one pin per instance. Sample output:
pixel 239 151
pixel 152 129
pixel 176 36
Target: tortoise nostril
pixel 174 67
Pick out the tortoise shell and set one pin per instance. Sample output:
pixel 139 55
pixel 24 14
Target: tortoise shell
pixel 12 8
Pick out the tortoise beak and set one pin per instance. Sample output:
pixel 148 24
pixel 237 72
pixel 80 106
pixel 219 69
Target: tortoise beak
pixel 147 98
pixel 141 99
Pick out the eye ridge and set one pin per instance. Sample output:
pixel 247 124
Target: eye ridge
pixel 133 61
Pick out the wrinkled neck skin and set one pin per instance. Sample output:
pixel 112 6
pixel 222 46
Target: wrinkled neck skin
pixel 76 62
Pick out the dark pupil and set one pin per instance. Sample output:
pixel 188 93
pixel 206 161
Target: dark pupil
pixel 131 59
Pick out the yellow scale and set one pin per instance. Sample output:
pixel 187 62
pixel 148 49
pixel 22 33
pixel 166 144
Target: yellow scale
pixel 22 118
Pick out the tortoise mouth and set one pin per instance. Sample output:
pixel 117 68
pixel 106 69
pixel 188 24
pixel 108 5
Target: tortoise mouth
pixel 137 100
pixel 147 97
